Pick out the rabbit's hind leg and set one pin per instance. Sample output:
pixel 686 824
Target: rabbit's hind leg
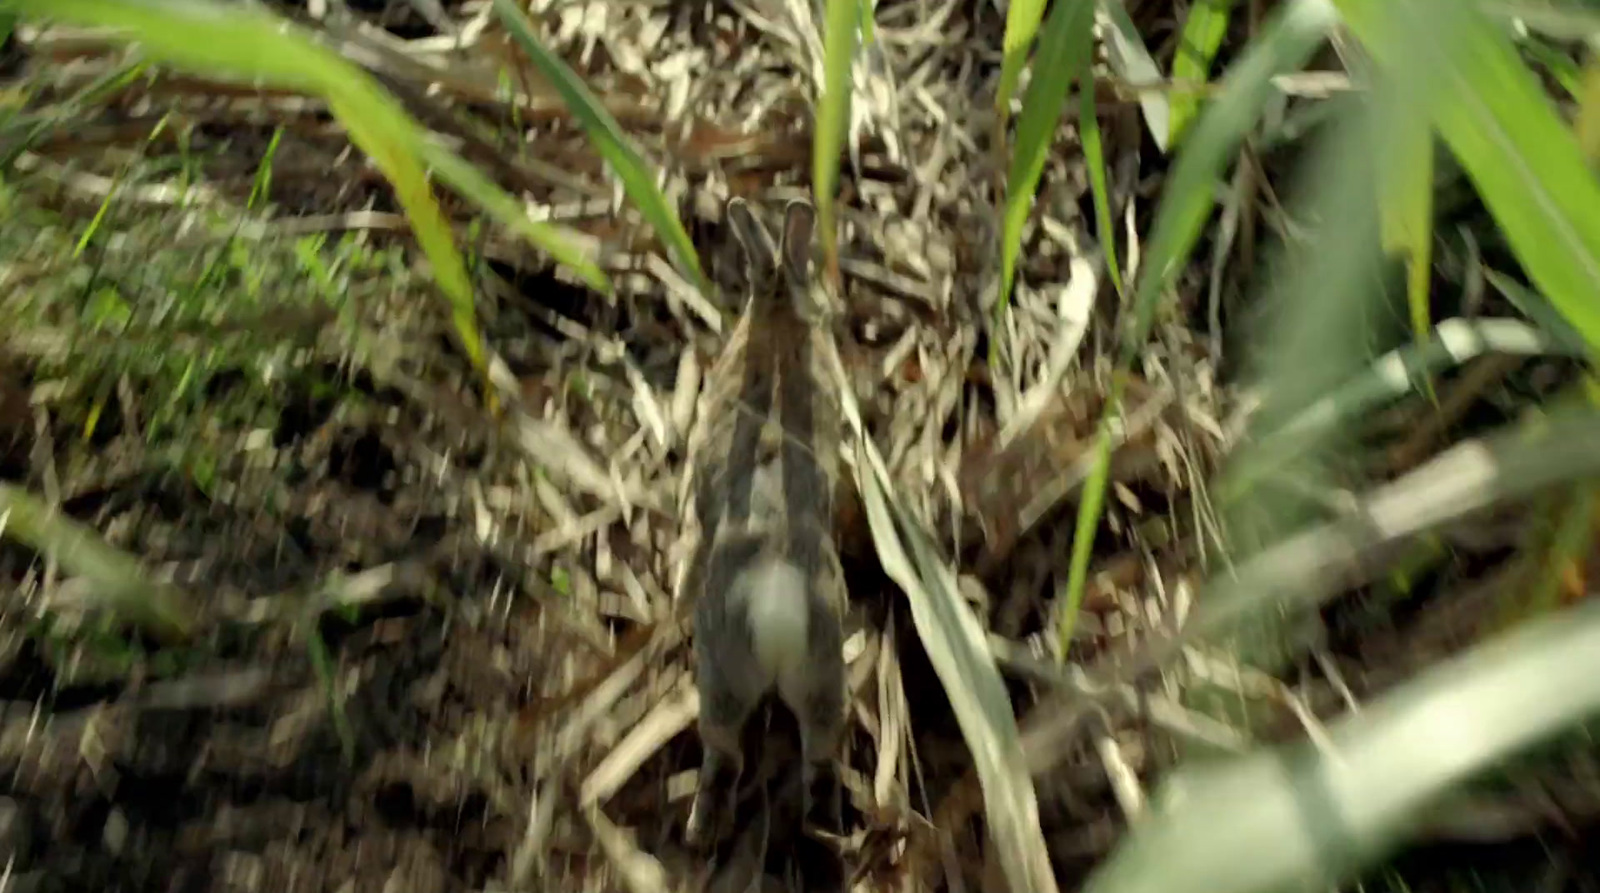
pixel 705 820
pixel 722 720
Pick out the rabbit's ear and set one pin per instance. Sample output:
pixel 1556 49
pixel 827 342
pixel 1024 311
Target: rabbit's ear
pixel 759 251
pixel 798 220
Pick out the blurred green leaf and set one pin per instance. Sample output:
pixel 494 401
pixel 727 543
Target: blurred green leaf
pixel 118 583
pixel 1560 20
pixel 1321 310
pixel 1454 342
pixel 1450 63
pixel 638 178
pixel 832 122
pixel 1062 54
pixel 1306 817
pixel 1094 156
pixel 1316 564
pixel 1405 202
pixel 1588 124
pixel 107 308
pixel 1538 309
pixel 1202 35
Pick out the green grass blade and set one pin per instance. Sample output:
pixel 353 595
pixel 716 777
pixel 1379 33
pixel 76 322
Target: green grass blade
pixel 1453 64
pixel 20 134
pixel 1557 63
pixel 1094 497
pixel 262 186
pixel 1062 54
pixel 638 179
pixel 1022 24
pixel 325 667
pixel 832 122
pixel 957 648
pixel 559 242
pixel 1203 31
pixel 1094 156
pixel 119 584
pixel 1539 311
pixel 1285 43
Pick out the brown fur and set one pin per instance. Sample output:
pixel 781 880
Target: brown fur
pixel 763 460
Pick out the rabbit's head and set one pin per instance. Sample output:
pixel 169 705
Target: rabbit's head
pixel 782 270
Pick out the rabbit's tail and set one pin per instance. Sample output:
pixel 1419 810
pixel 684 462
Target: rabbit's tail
pixel 777 614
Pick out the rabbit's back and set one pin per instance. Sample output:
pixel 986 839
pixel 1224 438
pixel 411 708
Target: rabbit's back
pixel 763 455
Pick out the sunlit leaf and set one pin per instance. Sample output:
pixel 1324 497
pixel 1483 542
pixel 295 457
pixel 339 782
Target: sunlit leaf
pixel 832 123
pixel 1202 35
pixel 1022 23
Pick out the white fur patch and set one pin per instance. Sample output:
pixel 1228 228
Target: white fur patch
pixel 775 609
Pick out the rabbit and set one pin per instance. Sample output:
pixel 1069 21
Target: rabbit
pixel 765 581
